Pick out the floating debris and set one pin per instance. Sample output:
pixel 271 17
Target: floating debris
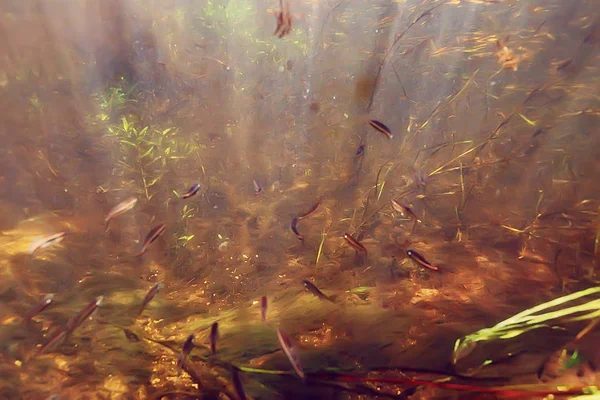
pixel 558 363
pixel 506 57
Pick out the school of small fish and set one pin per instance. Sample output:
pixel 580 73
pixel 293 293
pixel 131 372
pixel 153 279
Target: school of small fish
pixel 354 239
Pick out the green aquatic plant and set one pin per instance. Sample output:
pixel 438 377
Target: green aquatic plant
pixel 146 154
pixel 187 213
pixel 111 101
pixel 552 314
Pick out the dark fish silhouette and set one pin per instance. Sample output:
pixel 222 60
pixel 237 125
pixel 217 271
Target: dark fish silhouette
pixel 310 212
pixel 41 306
pixel 59 337
pixel 380 127
pixel 72 324
pixel 237 383
pixel 300 217
pixel 355 243
pixel 403 210
pixel 132 337
pixel 315 290
pixel 290 352
pixel 119 209
pixel 294 227
pixel 214 335
pixel 263 308
pixel 149 296
pixel 84 314
pixel 257 187
pixel 191 191
pixel 186 349
pixel 420 260
pixel 151 237
pixel 47 241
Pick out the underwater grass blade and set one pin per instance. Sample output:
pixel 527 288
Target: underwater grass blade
pixel 531 319
pixel 522 391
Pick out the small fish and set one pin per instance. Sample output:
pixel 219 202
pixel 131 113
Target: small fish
pixel 294 227
pixel 84 314
pixel 191 191
pixel 419 177
pixel 420 260
pixel 152 236
pixel 538 132
pixel 47 241
pixel 60 336
pixel 119 209
pixel 186 349
pixel 355 243
pixel 290 352
pixel 310 212
pixel 132 337
pixel 403 210
pixel 214 335
pixel 149 296
pixel 564 64
pixel 257 187
pixel 41 306
pixel 380 127
pixel 263 308
pixel 237 383
pixel 315 290
pixel 284 20
pixel 360 150
pixel 594 33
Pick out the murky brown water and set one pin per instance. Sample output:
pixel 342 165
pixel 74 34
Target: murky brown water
pixel 493 109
